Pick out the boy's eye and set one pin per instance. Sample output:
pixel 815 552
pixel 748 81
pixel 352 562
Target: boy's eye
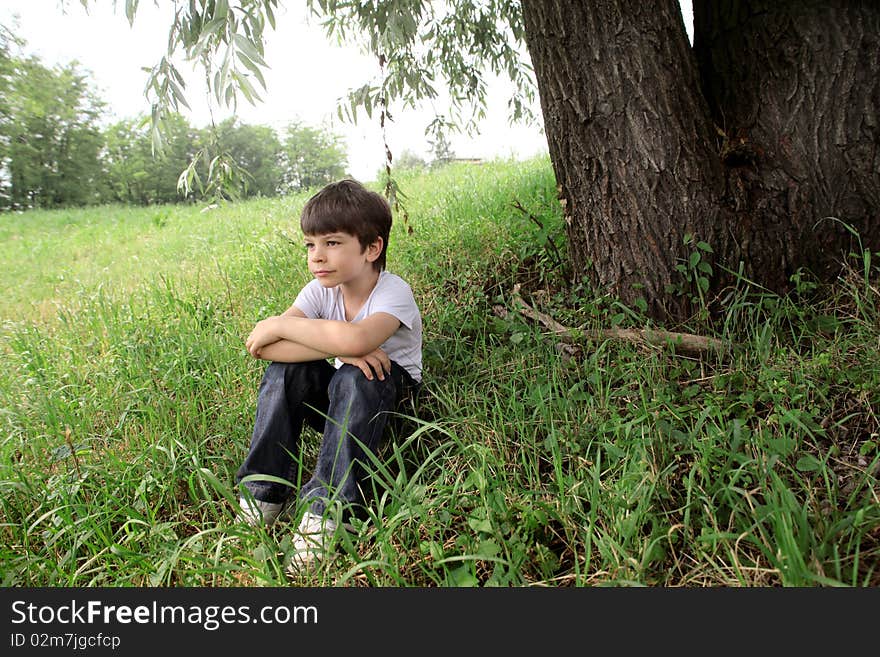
pixel 332 242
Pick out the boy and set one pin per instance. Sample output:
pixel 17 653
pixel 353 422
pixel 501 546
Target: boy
pixel 368 320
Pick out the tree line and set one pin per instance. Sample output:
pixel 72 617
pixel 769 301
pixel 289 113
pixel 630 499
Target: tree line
pixel 56 152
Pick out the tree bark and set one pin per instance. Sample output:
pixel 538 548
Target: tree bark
pixel 794 85
pixel 643 159
pixel 630 140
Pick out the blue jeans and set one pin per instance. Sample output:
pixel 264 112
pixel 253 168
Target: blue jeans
pixel 352 411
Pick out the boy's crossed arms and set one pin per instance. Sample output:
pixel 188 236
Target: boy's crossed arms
pixel 294 338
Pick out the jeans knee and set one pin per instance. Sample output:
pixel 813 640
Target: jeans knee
pixel 348 378
pixel 350 381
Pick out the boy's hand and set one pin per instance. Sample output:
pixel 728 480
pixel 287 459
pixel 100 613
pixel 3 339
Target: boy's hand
pixel 261 335
pixel 376 360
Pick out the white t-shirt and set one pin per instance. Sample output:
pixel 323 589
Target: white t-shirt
pixel 391 295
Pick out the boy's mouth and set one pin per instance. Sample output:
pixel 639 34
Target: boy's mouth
pixel 322 272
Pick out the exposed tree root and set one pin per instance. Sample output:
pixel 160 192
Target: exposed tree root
pixel 686 343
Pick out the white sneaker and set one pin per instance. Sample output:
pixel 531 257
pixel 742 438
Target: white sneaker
pixel 255 512
pixel 312 541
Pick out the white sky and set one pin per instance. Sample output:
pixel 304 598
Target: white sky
pixel 307 76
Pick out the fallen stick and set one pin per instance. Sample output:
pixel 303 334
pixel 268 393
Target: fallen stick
pixel 684 342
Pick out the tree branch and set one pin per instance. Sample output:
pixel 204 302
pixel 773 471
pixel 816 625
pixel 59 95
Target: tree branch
pixel 684 342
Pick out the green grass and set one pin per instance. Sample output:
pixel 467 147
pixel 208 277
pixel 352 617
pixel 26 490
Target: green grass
pixel 127 402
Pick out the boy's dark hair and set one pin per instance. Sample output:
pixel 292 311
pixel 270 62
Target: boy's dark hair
pixel 347 206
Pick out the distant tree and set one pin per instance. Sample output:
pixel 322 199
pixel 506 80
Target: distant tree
pixel 311 157
pixel 125 162
pixel 441 150
pixel 7 71
pixel 134 173
pixel 408 160
pixel 163 168
pixel 49 135
pixel 257 150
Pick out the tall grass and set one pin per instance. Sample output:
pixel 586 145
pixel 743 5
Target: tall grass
pixel 128 401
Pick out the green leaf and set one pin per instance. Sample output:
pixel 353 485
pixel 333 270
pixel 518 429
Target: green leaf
pixel 221 9
pixel 808 463
pixel 253 68
pixel 211 29
pixel 461 577
pixel 488 549
pixel 179 96
pixel 226 67
pixel 480 525
pixel 245 87
pixel 130 10
pixel 867 447
pixel 249 49
pixel 216 85
pixel 270 15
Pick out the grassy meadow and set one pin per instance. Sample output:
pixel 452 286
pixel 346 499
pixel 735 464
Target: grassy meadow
pixel 127 400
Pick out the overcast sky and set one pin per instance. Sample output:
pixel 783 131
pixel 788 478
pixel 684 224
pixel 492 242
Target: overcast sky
pixel 307 76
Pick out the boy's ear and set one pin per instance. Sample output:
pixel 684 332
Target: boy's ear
pixel 374 249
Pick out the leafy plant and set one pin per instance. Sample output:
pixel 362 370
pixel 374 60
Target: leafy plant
pixel 695 273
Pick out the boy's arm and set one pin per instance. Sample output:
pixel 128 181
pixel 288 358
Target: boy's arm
pixel 285 351
pixel 327 336
pixel 293 311
pixel 376 363
pixel 373 364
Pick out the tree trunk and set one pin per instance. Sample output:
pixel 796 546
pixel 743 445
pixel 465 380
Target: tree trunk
pixel 630 141
pixel 642 160
pixel 795 85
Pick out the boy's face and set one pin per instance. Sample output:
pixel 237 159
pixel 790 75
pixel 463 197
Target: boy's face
pixel 338 259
